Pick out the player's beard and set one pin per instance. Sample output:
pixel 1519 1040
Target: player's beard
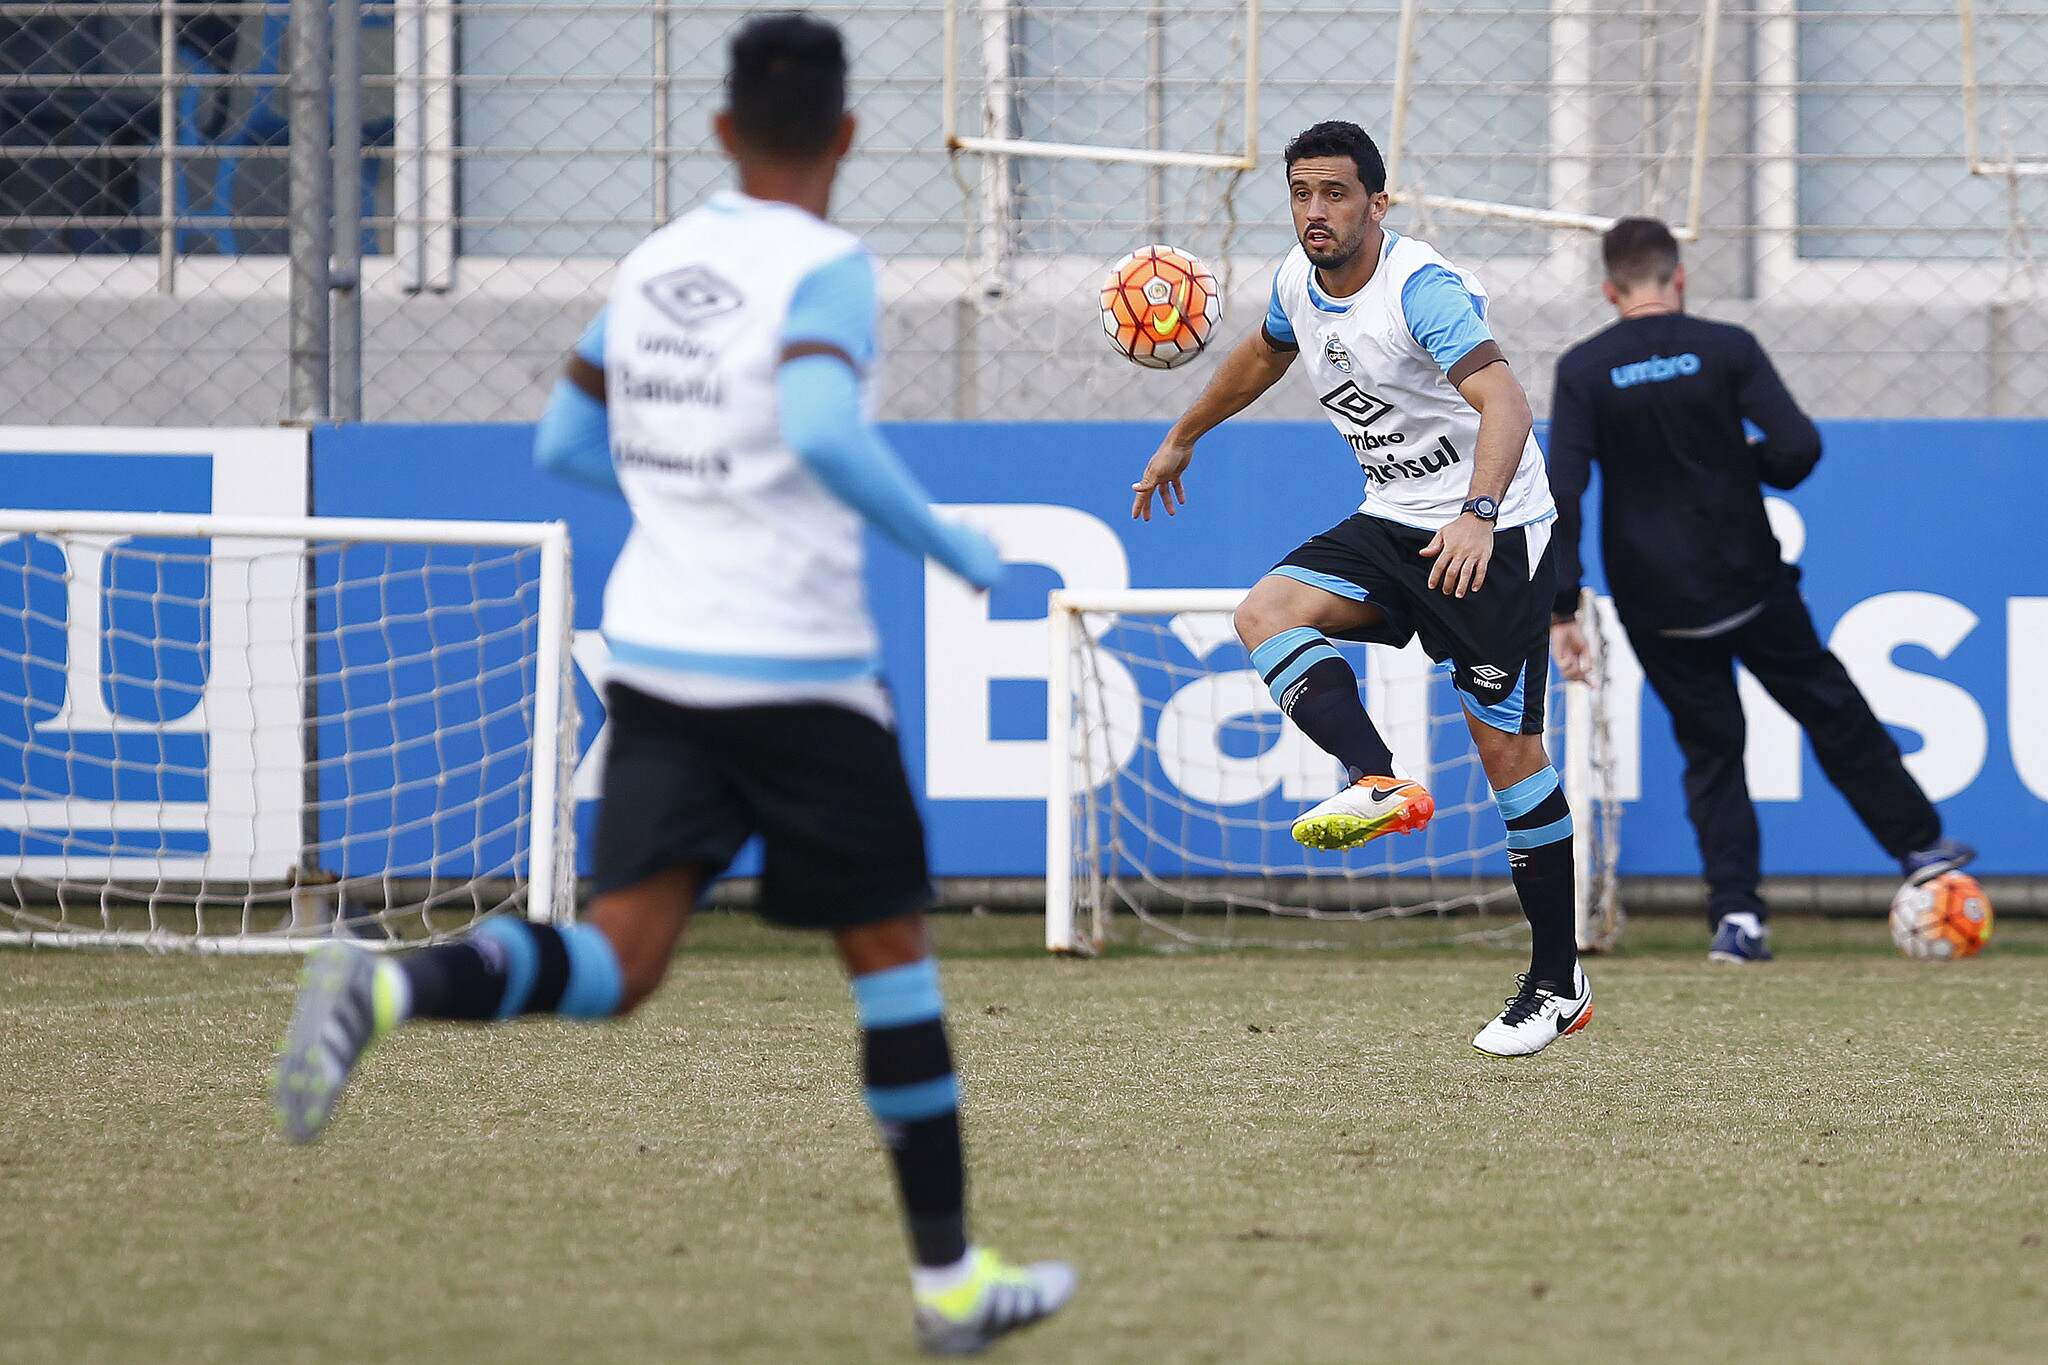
pixel 1340 255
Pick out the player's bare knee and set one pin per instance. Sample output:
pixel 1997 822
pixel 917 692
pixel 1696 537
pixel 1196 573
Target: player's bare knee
pixel 1257 620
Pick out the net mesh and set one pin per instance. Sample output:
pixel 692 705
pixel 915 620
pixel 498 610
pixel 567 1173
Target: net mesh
pixel 1187 778
pixel 205 740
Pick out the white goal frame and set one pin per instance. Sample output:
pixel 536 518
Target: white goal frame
pixel 1596 911
pixel 551 846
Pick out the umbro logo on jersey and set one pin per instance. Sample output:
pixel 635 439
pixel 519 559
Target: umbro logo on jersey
pixel 1355 405
pixel 1334 352
pixel 692 295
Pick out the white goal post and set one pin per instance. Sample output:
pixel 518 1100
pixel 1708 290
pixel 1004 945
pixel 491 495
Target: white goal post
pixel 1173 779
pixel 249 734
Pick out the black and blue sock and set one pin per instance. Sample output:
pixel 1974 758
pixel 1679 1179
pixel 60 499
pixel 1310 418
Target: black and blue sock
pixel 907 1065
pixel 1318 691
pixel 1539 822
pixel 511 966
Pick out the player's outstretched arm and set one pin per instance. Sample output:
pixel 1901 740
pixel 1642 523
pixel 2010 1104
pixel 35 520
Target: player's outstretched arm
pixel 818 397
pixel 574 439
pixel 1253 366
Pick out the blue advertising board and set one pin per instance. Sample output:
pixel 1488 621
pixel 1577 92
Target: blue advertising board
pixel 1938 605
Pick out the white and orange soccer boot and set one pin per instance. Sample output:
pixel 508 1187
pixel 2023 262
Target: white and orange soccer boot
pixel 1538 1014
pixel 1365 810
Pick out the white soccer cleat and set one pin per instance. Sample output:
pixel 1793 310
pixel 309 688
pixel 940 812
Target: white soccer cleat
pixel 995 1299
pixel 1536 1017
pixel 1365 810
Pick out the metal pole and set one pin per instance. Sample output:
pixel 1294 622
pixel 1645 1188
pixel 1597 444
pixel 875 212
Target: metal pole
pixel 1155 117
pixel 311 232
pixel 167 142
pixel 346 280
pixel 661 112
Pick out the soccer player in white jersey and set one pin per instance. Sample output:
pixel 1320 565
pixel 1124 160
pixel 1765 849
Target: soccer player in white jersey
pixel 724 392
pixel 1450 545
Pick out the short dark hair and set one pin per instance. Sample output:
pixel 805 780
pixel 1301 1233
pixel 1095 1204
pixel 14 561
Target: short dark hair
pixel 787 84
pixel 1639 251
pixel 1338 138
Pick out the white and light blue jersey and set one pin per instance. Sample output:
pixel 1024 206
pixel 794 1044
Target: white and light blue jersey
pixel 1381 361
pixel 742 578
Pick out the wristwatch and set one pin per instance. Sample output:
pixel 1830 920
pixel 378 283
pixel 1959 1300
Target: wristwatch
pixel 1486 509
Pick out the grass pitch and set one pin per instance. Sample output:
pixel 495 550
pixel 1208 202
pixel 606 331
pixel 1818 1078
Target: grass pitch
pixel 1257 1156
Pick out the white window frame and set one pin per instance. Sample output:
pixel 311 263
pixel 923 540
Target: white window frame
pixel 1782 274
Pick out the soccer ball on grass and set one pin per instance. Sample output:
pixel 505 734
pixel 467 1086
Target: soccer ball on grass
pixel 1944 917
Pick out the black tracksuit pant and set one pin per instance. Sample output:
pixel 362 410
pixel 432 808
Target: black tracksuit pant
pixel 1696 680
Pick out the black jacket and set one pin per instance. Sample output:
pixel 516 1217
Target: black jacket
pixel 1660 402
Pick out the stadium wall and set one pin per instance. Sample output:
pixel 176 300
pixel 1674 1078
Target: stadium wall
pixel 1922 572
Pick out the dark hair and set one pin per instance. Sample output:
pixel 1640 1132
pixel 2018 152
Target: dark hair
pixel 787 84
pixel 1337 138
pixel 1639 251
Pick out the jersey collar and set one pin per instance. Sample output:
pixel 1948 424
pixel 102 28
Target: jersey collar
pixel 1325 304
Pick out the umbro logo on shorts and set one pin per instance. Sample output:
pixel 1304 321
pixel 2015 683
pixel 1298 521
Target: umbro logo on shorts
pixel 1355 405
pixel 692 295
pixel 1488 677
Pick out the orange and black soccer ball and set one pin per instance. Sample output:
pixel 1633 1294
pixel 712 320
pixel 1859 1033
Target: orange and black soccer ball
pixel 1945 917
pixel 1160 307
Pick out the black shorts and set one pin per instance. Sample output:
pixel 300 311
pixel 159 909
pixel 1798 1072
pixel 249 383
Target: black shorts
pixel 823 786
pixel 1497 640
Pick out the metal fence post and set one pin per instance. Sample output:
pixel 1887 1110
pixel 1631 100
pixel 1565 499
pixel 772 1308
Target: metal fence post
pixel 311 226
pixel 347 277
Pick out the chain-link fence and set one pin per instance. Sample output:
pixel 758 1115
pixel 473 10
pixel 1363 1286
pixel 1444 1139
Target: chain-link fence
pixel 511 150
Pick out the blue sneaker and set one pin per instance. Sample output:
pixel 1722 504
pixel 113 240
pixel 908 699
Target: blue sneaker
pixel 1739 938
pixel 1929 863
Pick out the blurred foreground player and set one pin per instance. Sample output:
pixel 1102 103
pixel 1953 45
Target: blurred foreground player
pixel 723 391
pixel 1659 400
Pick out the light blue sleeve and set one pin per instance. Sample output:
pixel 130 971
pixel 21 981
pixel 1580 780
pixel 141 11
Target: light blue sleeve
pixel 834 306
pixel 574 439
pixel 818 402
pixel 590 346
pixel 1278 326
pixel 1443 317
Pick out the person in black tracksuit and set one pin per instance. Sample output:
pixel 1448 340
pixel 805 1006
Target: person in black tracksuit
pixel 1659 399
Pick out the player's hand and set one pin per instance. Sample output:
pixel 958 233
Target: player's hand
pixel 1162 476
pixel 1569 647
pixel 1461 551
pixel 972 555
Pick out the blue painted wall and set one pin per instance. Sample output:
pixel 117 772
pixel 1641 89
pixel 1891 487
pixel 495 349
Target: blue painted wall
pixel 1919 546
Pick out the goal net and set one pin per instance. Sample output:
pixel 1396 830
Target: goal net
pixel 251 734
pixel 1175 779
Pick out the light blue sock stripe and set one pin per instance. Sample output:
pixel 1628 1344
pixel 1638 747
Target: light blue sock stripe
pixel 909 1103
pixel 1527 794
pixel 1541 835
pixel 522 961
pixel 899 995
pixel 1291 674
pixel 596 984
pixel 1267 656
pixel 1329 583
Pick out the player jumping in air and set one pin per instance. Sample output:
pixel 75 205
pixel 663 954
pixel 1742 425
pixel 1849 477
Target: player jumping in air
pixel 1450 545
pixel 723 391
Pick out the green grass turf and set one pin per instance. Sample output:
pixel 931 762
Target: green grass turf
pixel 1256 1156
